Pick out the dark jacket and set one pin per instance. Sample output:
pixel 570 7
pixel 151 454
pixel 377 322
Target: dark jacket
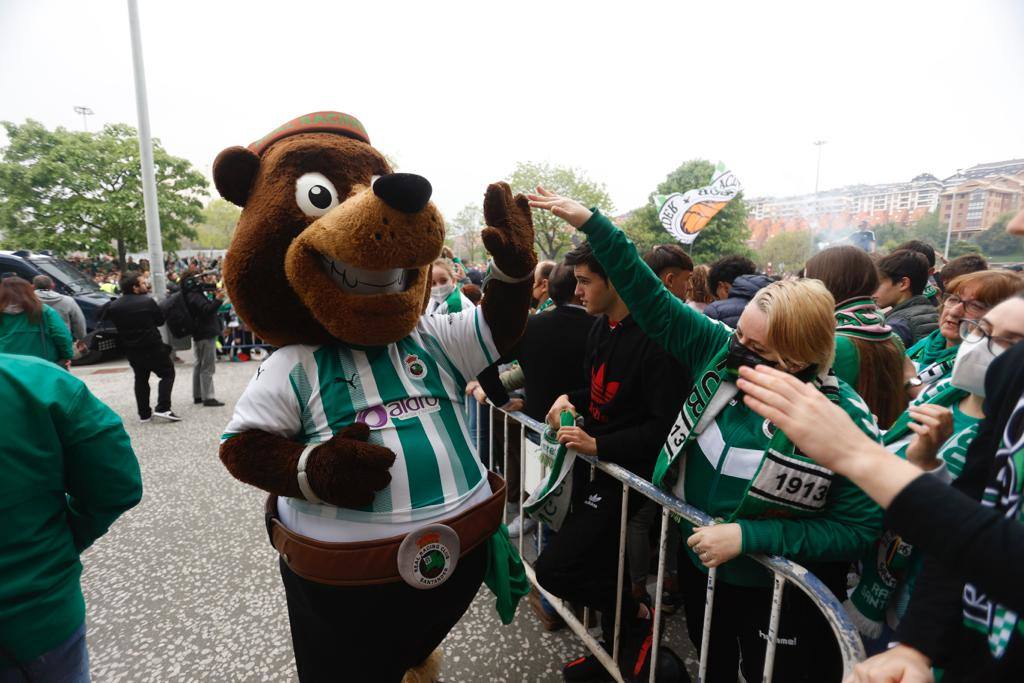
pixel 634 393
pixel 973 552
pixel 204 314
pixel 549 352
pixel 919 314
pixel 137 318
pixel 742 291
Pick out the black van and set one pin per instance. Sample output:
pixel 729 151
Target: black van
pixel 68 280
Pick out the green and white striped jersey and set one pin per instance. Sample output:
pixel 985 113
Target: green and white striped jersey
pixel 410 393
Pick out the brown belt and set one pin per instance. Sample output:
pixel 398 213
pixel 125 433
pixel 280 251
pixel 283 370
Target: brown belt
pixel 373 562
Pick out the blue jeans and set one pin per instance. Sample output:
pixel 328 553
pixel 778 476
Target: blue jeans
pixel 66 663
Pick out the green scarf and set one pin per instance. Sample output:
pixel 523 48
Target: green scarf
pixel 710 394
pixel 861 319
pixel 454 301
pixel 505 575
pixel 548 303
pixel 886 564
pixel 932 349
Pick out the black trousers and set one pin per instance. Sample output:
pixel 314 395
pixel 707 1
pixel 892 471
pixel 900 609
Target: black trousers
pixel 373 634
pixel 806 650
pixel 581 562
pixel 156 360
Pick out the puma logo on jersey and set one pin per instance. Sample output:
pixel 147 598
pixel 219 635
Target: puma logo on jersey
pixel 350 382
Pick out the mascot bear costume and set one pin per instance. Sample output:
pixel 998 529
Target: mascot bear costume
pixel 385 520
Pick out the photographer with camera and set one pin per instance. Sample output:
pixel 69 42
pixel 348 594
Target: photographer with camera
pixel 203 300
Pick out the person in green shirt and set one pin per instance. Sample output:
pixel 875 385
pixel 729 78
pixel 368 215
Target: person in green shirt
pixel 29 327
pixel 68 472
pixel 968 297
pixel 724 459
pixel 869 356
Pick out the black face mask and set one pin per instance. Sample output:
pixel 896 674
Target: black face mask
pixel 740 356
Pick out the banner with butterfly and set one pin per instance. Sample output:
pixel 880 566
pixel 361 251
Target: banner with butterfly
pixel 685 214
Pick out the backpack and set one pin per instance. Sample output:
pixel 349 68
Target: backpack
pixel 179 318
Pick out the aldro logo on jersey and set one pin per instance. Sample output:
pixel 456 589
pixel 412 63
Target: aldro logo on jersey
pixel 382 416
pixel 416 368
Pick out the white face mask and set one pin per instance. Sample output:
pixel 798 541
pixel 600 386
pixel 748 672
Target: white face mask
pixel 972 361
pixel 441 292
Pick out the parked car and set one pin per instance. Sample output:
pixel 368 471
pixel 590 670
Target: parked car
pixel 101 340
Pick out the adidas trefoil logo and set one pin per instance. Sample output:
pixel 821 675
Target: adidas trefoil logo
pixel 593 500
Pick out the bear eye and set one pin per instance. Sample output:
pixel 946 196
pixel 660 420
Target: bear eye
pixel 315 194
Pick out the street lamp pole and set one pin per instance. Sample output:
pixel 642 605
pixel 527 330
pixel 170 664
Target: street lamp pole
pixel 817 180
pixel 949 226
pixel 84 112
pixel 153 238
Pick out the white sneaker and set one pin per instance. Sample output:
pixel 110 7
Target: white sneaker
pixel 167 415
pixel 517 526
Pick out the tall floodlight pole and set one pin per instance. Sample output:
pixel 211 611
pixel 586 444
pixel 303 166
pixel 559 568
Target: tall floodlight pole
pixel 153 240
pixel 84 112
pixel 949 227
pixel 817 180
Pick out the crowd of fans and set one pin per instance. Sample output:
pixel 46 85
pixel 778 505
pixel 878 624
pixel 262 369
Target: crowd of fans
pixel 863 418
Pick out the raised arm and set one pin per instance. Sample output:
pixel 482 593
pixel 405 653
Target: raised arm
pixel 688 336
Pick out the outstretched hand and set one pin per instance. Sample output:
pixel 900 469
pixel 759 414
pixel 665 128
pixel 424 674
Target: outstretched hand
pixel 569 210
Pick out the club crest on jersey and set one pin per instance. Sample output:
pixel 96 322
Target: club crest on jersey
pixel 427 557
pixel 416 368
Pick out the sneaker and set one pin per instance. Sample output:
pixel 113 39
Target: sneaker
pixel 586 668
pixel 670 602
pixel 549 619
pixel 167 415
pixel 197 401
pixel 145 419
pixel 517 526
pixel 212 403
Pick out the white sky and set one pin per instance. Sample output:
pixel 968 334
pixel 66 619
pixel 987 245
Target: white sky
pixel 459 92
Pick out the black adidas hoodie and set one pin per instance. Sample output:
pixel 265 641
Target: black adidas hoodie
pixel 635 392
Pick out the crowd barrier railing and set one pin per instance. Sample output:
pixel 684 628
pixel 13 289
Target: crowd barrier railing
pixel 785 571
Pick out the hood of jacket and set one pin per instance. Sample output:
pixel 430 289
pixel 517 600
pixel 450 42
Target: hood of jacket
pixel 746 286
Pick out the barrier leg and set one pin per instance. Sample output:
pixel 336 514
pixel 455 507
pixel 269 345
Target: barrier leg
pixel 658 587
pixel 773 629
pixel 622 566
pixel 705 638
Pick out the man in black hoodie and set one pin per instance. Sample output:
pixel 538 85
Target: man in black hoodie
pixel 204 310
pixel 634 391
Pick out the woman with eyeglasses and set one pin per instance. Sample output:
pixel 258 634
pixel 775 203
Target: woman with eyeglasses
pixel 968 297
pixel 934 434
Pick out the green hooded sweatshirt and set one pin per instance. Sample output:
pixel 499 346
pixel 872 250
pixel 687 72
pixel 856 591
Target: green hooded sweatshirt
pixel 68 472
pixel 719 464
pixel 49 338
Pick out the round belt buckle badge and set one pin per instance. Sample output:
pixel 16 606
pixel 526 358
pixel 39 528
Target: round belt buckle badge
pixel 427 556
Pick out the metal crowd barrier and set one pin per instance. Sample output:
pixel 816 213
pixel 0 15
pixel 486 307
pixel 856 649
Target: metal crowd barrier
pixel 850 646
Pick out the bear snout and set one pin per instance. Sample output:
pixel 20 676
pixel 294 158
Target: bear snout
pixel 405 192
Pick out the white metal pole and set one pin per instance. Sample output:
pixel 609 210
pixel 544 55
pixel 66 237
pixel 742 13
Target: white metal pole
pixel 153 239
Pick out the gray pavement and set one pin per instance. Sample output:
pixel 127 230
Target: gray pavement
pixel 185 587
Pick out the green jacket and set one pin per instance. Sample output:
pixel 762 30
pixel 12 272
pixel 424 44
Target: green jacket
pixel 720 463
pixel 68 472
pixel 49 339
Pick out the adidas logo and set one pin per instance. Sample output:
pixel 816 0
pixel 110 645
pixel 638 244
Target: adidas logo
pixel 593 500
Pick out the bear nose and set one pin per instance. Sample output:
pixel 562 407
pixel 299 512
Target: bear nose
pixel 406 192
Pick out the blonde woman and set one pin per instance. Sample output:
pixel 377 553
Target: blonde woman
pixel 726 460
pixel 445 296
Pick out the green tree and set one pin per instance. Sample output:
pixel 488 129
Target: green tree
pixel 996 241
pixel 726 233
pixel 961 247
pixel 217 224
pixel 553 235
pixel 464 231
pixel 927 229
pixel 787 251
pixel 71 191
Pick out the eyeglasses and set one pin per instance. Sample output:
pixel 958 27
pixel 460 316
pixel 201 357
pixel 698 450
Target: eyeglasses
pixel 973 331
pixel 975 308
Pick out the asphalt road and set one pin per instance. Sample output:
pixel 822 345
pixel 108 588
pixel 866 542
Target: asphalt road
pixel 185 587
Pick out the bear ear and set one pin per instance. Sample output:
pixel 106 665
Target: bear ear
pixel 233 173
